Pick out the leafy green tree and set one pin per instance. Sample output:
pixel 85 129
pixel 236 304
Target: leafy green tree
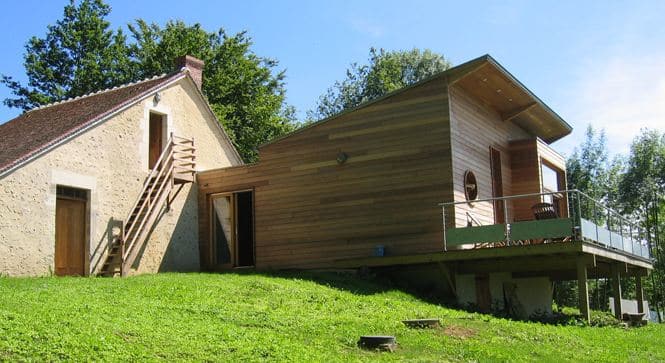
pixel 244 90
pixel 645 172
pixel 641 192
pixel 78 55
pixel 387 71
pixel 587 167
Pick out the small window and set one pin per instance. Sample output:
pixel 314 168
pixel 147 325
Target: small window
pixel 550 179
pixel 71 193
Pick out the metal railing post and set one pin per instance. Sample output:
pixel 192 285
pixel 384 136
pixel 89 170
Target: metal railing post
pixel 505 220
pixel 623 245
pixel 443 216
pixel 595 218
pixel 632 242
pixel 609 226
pixel 578 218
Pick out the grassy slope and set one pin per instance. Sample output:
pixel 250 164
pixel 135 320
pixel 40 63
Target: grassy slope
pixel 254 317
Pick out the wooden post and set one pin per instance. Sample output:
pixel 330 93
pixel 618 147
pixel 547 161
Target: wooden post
pixel 616 290
pixel 639 294
pixel 583 289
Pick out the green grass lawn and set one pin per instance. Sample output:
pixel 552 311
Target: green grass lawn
pixel 253 317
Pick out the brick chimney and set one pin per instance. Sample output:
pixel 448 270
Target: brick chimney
pixel 194 66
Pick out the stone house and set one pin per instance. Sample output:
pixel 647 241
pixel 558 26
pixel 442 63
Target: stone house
pixel 72 173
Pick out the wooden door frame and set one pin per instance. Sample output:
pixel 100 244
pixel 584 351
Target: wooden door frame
pixel 86 227
pixel 484 290
pixel 163 133
pixel 234 222
pixel 498 208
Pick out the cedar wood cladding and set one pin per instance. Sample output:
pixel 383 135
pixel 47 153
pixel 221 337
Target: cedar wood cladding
pixel 475 129
pixel 526 158
pixel 311 211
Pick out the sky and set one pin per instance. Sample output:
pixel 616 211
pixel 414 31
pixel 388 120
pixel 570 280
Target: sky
pixel 593 62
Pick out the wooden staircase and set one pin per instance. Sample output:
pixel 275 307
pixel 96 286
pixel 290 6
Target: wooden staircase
pixel 175 166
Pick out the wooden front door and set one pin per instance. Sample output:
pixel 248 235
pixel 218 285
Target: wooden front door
pixel 497 185
pixel 70 237
pixel 155 139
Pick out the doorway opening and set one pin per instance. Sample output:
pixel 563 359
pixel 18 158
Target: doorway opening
pixel 156 137
pixel 232 230
pixel 71 226
pixel 483 296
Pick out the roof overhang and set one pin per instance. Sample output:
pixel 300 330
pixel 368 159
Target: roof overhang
pixel 487 80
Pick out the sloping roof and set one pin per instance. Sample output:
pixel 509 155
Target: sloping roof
pixel 535 116
pixel 42 128
pixel 489 81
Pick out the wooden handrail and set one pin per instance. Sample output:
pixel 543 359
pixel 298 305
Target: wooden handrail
pixel 155 192
pixel 152 176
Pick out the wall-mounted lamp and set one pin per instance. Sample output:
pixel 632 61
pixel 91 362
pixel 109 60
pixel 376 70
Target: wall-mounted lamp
pixel 341 158
pixel 157 98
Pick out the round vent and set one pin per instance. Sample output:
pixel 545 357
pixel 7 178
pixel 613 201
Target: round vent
pixel 470 186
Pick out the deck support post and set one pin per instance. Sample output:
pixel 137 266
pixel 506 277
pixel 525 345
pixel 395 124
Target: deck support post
pixel 583 289
pixel 616 290
pixel 639 294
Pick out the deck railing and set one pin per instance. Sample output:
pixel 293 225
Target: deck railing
pixel 580 218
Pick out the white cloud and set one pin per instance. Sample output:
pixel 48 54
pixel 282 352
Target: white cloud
pixel 621 94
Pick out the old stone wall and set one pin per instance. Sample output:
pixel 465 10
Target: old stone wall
pixel 111 162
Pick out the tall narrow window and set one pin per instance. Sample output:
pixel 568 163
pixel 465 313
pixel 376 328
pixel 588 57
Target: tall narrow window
pixel 551 181
pixel 497 185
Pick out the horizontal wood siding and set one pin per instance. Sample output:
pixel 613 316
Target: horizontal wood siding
pixel 526 159
pixel 525 163
pixel 311 211
pixel 476 127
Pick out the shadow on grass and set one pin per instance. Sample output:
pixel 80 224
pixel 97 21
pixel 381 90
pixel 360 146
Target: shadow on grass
pixel 369 283
pixel 357 282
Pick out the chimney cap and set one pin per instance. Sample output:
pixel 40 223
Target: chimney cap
pixel 193 66
pixel 189 62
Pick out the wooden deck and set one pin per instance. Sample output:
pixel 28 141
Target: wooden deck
pixel 552 259
pixel 572 260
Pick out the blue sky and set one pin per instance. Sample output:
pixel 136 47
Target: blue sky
pixel 598 62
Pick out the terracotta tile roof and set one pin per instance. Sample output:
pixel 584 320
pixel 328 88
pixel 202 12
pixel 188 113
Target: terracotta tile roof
pixel 36 130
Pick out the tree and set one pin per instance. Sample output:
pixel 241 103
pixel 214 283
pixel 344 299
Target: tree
pixel 78 55
pixel 589 170
pixel 587 167
pixel 387 71
pixel 645 173
pixel 242 88
pixel 641 189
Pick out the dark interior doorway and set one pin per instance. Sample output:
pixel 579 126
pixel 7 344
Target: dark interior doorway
pixel 232 230
pixel 245 225
pixel 155 139
pixel 483 296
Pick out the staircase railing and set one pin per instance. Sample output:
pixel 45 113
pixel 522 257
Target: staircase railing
pixel 176 160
